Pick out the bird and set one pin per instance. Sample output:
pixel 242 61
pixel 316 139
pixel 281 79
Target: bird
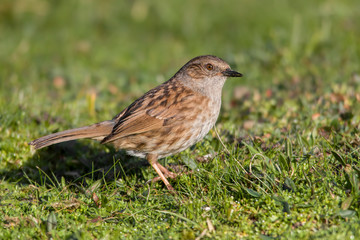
pixel 164 121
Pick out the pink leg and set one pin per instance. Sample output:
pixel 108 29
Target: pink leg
pixel 152 158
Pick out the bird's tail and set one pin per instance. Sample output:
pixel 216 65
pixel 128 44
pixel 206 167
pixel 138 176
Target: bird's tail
pixel 96 131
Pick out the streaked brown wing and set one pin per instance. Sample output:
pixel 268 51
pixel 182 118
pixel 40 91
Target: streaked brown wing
pixel 163 106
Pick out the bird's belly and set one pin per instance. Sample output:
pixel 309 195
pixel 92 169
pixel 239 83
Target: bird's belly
pixel 169 140
pixel 165 143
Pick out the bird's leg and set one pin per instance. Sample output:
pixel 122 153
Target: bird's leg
pixel 166 172
pixel 152 159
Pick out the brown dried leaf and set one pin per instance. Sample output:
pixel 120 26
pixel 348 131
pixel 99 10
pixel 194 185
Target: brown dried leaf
pixel 241 92
pixel 248 124
pixel 96 200
pixel 113 89
pixel 59 82
pixel 315 116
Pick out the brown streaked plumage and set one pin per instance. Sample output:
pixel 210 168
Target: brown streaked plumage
pixel 164 121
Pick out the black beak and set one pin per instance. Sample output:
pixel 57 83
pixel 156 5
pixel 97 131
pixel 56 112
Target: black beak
pixel 230 73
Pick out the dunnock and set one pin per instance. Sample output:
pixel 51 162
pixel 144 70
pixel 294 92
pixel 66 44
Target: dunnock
pixel 166 120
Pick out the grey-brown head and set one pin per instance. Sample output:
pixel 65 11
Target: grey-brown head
pixel 206 74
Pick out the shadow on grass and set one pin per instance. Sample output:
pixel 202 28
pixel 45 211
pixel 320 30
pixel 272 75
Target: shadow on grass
pixel 75 161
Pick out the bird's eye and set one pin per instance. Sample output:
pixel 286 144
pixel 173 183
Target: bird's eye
pixel 209 66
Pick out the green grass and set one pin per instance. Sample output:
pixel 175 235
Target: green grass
pixel 288 167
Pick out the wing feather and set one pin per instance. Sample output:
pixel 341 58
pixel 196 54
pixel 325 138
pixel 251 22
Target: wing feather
pixel 155 109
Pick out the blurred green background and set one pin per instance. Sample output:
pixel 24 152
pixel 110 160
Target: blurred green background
pixel 97 43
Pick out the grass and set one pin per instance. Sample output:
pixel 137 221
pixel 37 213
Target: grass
pixel 287 165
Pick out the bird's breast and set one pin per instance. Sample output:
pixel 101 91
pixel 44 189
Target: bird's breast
pixel 180 132
pixel 207 119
